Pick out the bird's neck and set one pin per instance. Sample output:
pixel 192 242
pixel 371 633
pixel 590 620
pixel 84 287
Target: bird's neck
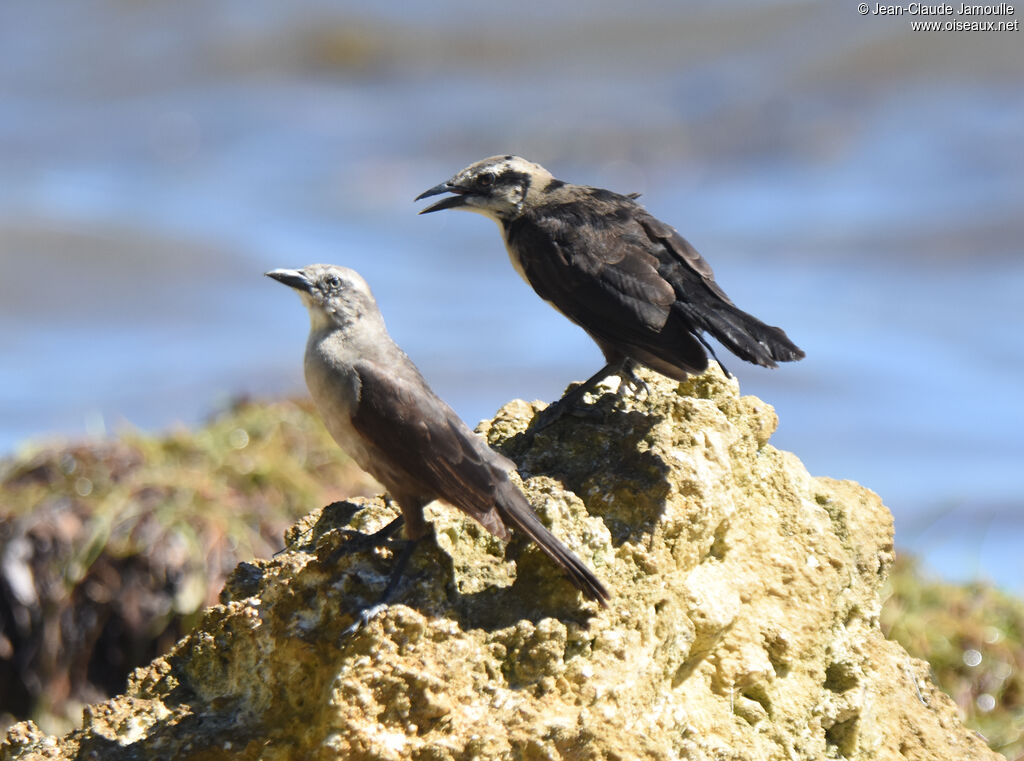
pixel 363 332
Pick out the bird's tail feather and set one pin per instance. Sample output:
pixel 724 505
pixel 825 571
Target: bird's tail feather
pixel 743 334
pixel 516 510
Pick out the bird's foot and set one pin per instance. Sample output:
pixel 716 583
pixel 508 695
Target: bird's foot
pixel 630 380
pixel 585 411
pixel 365 615
pixel 557 410
pixel 357 541
pixel 363 619
pixel 572 403
pixel 544 418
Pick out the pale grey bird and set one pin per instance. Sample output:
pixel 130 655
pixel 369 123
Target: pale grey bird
pixel 381 411
pixel 638 288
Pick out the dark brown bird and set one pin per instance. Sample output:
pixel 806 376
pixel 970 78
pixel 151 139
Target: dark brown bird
pixel 381 411
pixel 638 288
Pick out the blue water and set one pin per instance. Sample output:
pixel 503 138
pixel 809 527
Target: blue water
pixel 854 182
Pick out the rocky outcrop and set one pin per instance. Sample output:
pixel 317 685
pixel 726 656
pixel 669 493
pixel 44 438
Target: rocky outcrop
pixel 743 624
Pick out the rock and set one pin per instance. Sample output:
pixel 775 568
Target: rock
pixel 743 623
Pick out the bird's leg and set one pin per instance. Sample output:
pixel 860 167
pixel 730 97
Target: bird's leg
pixel 711 351
pixel 357 541
pixel 367 614
pixel 571 401
pixel 412 518
pixel 631 380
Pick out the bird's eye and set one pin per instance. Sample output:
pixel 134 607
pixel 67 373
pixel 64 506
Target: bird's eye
pixel 332 281
pixel 486 179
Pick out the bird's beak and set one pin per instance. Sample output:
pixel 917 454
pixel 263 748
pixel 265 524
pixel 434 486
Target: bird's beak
pixel 452 202
pixel 292 278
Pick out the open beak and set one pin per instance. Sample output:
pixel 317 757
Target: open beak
pixel 292 278
pixel 452 202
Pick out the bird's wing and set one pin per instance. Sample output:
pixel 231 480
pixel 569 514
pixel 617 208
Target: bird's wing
pixel 680 252
pixel 423 438
pixel 588 260
pixel 402 417
pixel 702 303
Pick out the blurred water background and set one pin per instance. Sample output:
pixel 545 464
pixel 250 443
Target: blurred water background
pixel 858 183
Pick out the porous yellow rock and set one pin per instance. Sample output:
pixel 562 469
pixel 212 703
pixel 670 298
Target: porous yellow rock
pixel 743 622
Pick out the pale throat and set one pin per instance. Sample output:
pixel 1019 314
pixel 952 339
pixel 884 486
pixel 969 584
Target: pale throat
pixel 513 256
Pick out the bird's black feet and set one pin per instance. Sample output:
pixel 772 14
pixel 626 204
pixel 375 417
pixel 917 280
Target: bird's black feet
pixel 357 541
pixel 629 379
pixel 572 402
pixel 367 614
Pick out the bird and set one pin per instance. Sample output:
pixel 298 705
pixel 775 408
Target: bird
pixel 380 410
pixel 631 281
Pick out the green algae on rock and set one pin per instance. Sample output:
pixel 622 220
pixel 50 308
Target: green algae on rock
pixel 111 549
pixel 744 622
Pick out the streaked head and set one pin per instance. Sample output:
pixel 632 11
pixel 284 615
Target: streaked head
pixel 496 187
pixel 332 294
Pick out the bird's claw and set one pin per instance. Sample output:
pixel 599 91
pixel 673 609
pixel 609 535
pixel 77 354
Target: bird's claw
pixel 586 411
pixel 363 618
pixel 556 411
pixel 545 417
pixel 367 614
pixel 636 385
pixel 356 541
